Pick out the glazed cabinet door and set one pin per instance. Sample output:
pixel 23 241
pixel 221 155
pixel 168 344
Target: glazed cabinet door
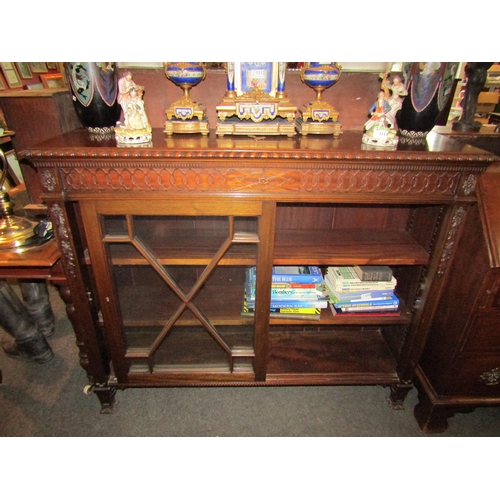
pixel 170 282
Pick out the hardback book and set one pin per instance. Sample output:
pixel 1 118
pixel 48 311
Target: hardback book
pixel 373 273
pixel 345 279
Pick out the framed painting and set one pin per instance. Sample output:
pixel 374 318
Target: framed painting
pixel 11 75
pixel 24 70
pixel 51 65
pixel 53 81
pixel 38 67
pixel 3 85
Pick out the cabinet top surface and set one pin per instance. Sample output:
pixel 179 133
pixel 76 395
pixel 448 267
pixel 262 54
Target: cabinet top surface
pixel 80 144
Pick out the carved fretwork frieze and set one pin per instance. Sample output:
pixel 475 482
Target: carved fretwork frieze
pixel 237 178
pixel 458 218
pixel 66 248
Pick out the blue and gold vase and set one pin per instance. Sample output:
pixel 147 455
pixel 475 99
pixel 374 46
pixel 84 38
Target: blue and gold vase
pixel 185 115
pixel 94 90
pixel 319 117
pixel 320 76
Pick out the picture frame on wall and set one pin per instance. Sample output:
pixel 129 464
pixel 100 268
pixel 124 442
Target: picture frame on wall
pixel 3 85
pixel 53 81
pixel 24 70
pixel 11 75
pixel 38 67
pixel 51 65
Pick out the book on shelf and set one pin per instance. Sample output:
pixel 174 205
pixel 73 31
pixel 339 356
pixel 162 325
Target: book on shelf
pixel 383 302
pixel 373 273
pixel 368 294
pixel 251 275
pixel 370 313
pixel 317 291
pixel 297 274
pixel 366 308
pixel 285 312
pixel 293 304
pixel 344 279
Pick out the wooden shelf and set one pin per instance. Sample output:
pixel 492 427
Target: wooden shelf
pixel 150 306
pixel 292 247
pixel 333 355
pixel 347 247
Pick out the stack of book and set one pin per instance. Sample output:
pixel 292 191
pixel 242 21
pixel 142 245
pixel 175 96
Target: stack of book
pixel 362 290
pixel 297 292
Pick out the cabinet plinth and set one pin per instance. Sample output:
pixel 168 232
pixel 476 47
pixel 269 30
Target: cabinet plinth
pixel 156 241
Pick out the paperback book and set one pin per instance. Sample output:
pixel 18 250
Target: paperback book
pixel 358 314
pixel 285 313
pixel 312 292
pixel 297 274
pixel 392 302
pixel 357 295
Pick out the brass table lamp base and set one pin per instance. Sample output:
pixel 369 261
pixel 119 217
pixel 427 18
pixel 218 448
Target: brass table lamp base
pixel 14 231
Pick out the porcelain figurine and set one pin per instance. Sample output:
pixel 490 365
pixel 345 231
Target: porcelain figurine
pixel 380 129
pixel 135 128
pixel 397 94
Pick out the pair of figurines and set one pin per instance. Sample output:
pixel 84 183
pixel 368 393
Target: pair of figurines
pixel 135 128
pixel 381 128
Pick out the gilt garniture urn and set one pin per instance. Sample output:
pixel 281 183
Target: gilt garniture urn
pixel 319 117
pixel 185 115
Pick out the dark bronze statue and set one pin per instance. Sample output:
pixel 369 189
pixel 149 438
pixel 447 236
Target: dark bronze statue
pixel 476 73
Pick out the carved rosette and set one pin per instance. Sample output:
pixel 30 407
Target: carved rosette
pixel 491 377
pixel 469 185
pixel 48 180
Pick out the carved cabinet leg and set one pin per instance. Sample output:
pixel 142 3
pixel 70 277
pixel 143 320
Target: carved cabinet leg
pixel 430 417
pixel 398 395
pixel 106 397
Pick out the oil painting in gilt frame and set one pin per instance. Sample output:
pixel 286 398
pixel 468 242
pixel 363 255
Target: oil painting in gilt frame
pixel 11 75
pixel 24 70
pixel 53 81
pixel 38 67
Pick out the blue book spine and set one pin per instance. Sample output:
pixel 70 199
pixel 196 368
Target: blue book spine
pixel 294 304
pixel 367 295
pixel 368 303
pixel 311 274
